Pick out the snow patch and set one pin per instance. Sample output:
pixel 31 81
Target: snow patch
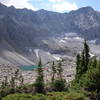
pixel 37 52
pixel 93 41
pixel 57 57
pixel 62 41
pixel 78 38
pixel 91 55
pixel 66 38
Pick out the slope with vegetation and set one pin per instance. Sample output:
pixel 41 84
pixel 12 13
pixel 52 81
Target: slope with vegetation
pixel 86 85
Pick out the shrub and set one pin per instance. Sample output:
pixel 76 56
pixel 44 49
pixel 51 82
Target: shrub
pixel 58 85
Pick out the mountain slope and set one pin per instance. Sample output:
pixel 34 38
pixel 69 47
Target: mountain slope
pixel 9 56
pixel 27 31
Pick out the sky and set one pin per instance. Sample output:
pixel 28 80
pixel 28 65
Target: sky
pixel 53 5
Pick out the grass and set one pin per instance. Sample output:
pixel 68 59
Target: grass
pixel 48 96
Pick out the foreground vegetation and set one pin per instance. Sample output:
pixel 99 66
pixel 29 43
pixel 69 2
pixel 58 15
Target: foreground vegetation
pixel 86 85
pixel 48 96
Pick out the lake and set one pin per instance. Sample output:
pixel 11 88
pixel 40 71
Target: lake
pixel 27 68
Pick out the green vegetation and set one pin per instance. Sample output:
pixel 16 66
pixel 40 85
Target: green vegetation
pixel 49 96
pixel 39 84
pixel 86 85
pixel 88 74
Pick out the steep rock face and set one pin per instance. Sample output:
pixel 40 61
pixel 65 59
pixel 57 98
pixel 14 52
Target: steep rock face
pixel 87 22
pixel 26 30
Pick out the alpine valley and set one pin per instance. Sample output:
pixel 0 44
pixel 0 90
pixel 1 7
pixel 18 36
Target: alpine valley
pixel 26 36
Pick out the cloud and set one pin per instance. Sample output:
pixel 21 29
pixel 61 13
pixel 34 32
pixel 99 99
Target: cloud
pixel 56 0
pixel 64 6
pixel 18 3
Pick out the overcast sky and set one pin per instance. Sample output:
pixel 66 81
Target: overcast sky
pixel 53 5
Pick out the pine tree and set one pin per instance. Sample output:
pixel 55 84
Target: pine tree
pixel 59 69
pixel 82 61
pixel 21 79
pixel 85 58
pixel 59 82
pixel 86 55
pixel 12 82
pixel 5 83
pixel 53 71
pixel 82 68
pixel 39 84
pixel 78 67
pixel 95 63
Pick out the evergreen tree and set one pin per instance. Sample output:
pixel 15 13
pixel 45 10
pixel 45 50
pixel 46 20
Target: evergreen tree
pixel 5 83
pixel 39 84
pixel 82 61
pixel 12 85
pixel 53 71
pixel 59 83
pixel 21 80
pixel 86 55
pixel 91 83
pixel 82 64
pixel 78 67
pixel 95 63
pixel 12 82
pixel 59 70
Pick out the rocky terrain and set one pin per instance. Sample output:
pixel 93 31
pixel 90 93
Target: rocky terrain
pixel 8 71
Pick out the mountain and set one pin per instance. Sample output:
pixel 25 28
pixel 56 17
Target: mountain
pixel 33 34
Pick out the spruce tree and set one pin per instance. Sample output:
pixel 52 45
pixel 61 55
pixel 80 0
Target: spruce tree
pixel 60 70
pixel 82 61
pixel 12 82
pixel 86 55
pixel 39 84
pixel 82 68
pixel 59 82
pixel 95 63
pixel 78 67
pixel 5 83
pixel 53 71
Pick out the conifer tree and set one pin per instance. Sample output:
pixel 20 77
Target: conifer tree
pixel 5 82
pixel 21 80
pixel 59 69
pixel 78 67
pixel 16 74
pixel 95 63
pixel 86 56
pixel 82 61
pixel 59 82
pixel 53 71
pixel 12 82
pixel 82 68
pixel 39 84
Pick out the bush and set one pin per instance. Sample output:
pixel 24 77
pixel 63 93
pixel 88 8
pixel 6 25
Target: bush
pixel 59 85
pixel 91 83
